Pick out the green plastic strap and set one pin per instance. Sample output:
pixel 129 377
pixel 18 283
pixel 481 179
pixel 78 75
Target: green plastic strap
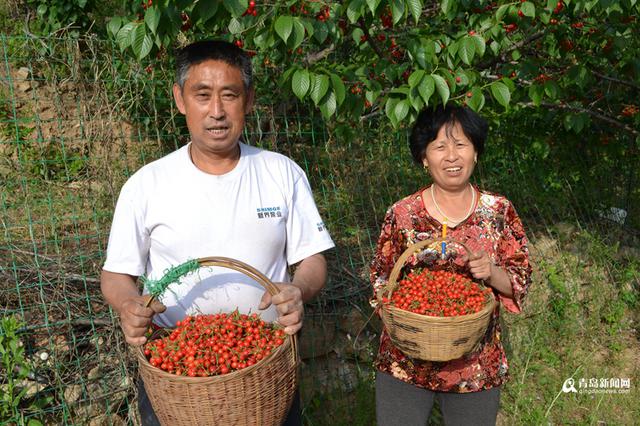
pixel 171 275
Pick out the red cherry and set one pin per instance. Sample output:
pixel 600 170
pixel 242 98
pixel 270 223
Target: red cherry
pixel 458 79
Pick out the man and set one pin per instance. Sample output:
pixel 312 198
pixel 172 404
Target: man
pixel 215 196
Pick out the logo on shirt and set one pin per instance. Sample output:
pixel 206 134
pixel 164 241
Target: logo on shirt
pixel 321 226
pixel 267 212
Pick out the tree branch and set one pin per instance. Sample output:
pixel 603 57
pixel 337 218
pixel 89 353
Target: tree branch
pixel 314 57
pixel 518 45
pixel 616 80
pixel 594 114
pixel 370 40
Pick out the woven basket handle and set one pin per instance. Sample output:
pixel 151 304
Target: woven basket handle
pixel 248 270
pixel 395 272
pixel 227 262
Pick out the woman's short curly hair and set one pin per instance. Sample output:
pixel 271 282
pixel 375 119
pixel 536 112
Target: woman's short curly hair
pixel 430 121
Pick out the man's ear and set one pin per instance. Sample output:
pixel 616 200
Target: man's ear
pixel 248 104
pixel 177 96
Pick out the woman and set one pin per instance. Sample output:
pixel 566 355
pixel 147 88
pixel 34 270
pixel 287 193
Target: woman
pixel 447 142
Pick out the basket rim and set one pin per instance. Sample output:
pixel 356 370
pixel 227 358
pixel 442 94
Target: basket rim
pixel 489 307
pixel 221 378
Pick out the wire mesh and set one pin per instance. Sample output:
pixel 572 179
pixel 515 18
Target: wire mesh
pixel 77 118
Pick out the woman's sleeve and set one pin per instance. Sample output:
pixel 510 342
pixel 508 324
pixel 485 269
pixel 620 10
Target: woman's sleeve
pixel 513 256
pixel 385 256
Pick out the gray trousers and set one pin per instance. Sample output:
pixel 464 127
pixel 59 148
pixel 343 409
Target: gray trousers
pixel 401 404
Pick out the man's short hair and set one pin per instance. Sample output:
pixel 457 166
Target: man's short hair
pixel 216 50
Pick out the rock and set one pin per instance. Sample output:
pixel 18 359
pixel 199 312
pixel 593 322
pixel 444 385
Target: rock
pixel 361 347
pixel 22 73
pixel 628 253
pixel 107 420
pixel 47 114
pixel 544 247
pixel 72 393
pixel 94 373
pixel 565 230
pixel 23 86
pixel 328 373
pixel 317 336
pixel 353 323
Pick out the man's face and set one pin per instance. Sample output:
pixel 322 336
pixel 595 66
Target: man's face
pixel 214 101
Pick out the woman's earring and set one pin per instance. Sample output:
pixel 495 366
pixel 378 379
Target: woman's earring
pixel 425 166
pixel 475 159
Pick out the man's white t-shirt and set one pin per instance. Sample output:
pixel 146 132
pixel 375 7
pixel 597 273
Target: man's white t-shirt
pixel 262 213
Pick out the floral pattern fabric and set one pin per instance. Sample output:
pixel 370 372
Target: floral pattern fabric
pixel 494 227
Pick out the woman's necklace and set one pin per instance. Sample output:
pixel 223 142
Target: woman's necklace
pixel 454 221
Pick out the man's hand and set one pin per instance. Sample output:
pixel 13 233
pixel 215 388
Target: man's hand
pixel 289 305
pixel 135 319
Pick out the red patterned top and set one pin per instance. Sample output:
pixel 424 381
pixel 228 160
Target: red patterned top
pixel 493 227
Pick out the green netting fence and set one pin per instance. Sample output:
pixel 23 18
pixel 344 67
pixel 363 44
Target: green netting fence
pixel 77 118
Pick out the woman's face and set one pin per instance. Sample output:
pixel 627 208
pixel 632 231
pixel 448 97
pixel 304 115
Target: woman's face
pixel 450 158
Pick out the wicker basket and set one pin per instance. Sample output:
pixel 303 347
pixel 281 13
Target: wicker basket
pixel 426 337
pixel 257 395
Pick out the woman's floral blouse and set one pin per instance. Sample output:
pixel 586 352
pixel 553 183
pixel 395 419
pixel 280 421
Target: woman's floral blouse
pixel 493 227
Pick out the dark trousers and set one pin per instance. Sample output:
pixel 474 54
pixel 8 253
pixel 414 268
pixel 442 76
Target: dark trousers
pixel 148 416
pixel 400 403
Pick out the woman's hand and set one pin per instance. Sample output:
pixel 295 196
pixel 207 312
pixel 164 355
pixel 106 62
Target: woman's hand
pixel 482 268
pixel 480 265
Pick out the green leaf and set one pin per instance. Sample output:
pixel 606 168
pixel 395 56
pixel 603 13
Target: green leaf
pixel 402 109
pixel 528 9
pixel 416 78
pixel 152 18
pixel 328 107
pixel 445 6
pixel 338 88
pixel 298 33
pixel 397 11
pixel 551 89
pixel 320 87
pixel 284 27
pixel 501 93
pixel 354 10
pixel 142 42
pixel 536 92
pixel 502 10
pixel 235 26
pixel 426 88
pixel 476 101
pixel 442 88
pixel 467 50
pixel 205 10
pixel 114 25
pixel 415 7
pixel 390 110
pixel 480 44
pixel 235 7
pixel 373 5
pixel 308 26
pixel 300 83
pixel 123 38
pixel 356 34
pixel 320 31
